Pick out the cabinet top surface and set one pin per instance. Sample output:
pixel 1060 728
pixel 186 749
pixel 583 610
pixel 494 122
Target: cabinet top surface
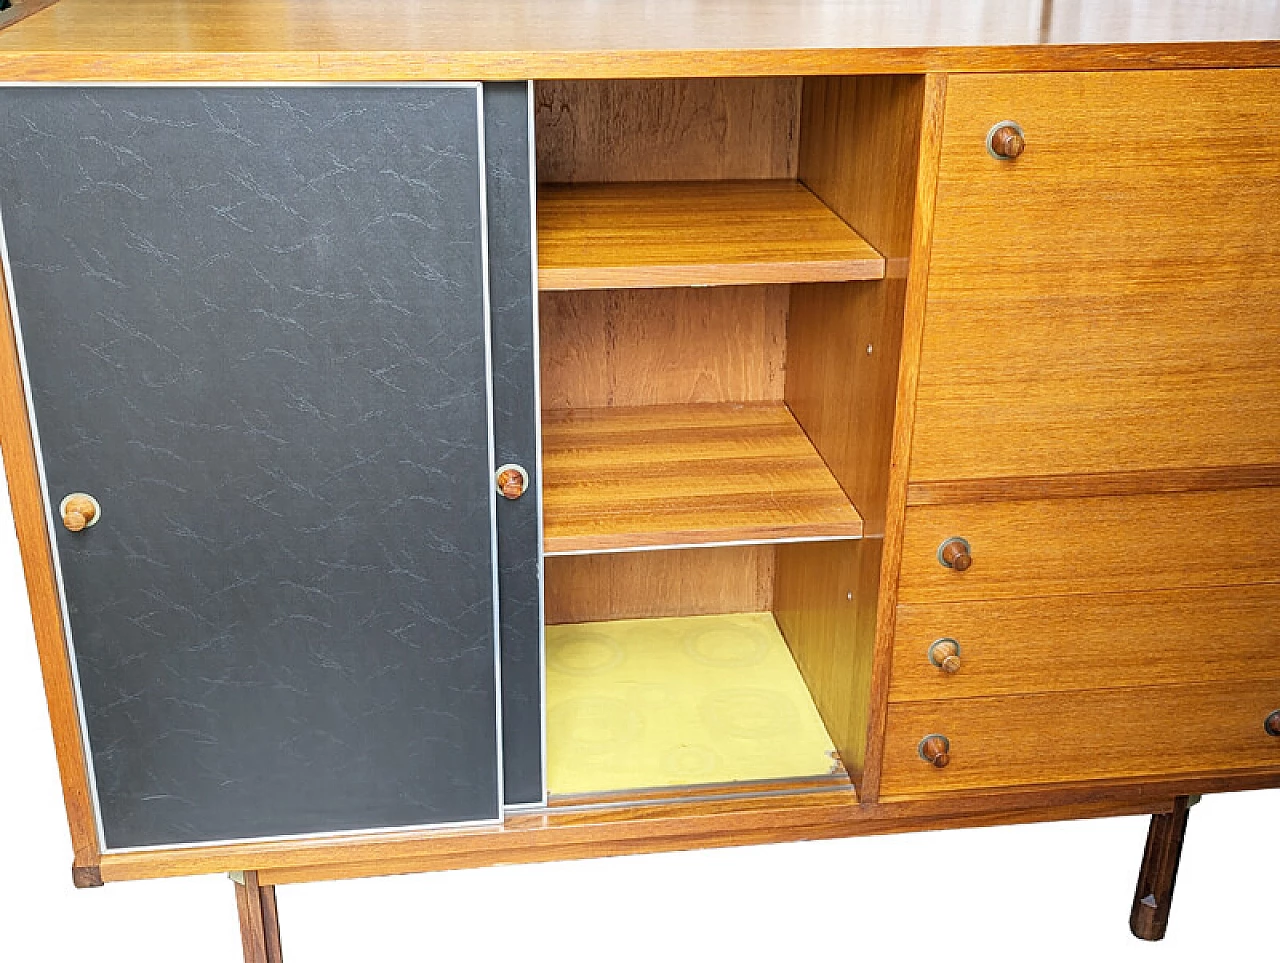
pixel 522 39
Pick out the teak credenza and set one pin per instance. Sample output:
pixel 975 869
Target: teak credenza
pixel 446 434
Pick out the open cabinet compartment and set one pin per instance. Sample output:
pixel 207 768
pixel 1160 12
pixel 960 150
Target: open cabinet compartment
pixel 717 388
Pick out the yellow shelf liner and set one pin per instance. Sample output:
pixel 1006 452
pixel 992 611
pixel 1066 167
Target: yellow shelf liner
pixel 646 703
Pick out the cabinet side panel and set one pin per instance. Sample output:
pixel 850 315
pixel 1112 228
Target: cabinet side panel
pixel 254 324
pixel 30 519
pixel 508 159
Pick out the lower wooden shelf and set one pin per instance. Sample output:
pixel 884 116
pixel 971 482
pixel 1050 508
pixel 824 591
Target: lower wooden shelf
pixel 647 703
pixel 676 475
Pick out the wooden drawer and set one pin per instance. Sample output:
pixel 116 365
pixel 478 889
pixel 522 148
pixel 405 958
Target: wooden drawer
pixel 1091 545
pixel 1025 740
pixel 1089 642
pixel 1106 301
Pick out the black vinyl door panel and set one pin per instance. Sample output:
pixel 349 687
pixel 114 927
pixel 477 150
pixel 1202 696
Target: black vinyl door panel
pixel 254 323
pixel 511 184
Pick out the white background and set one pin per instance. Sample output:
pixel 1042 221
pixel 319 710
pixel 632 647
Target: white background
pixel 1059 891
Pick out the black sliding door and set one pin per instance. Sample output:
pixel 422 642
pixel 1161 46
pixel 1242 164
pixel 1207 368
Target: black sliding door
pixel 255 322
pixel 511 183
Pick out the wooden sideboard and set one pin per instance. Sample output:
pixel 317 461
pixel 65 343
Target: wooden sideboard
pixel 442 436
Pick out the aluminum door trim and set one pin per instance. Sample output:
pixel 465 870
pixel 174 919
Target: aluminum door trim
pixel 537 436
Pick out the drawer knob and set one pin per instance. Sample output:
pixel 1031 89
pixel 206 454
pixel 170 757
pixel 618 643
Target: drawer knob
pixel 945 654
pixel 955 553
pixel 79 511
pixel 1272 725
pixel 512 480
pixel 936 750
pixel 1006 140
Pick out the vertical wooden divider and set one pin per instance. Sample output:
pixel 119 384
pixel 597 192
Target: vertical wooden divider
pixel 866 145
pixel 930 146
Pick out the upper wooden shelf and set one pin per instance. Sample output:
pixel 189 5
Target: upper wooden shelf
pixel 674 234
pixel 673 475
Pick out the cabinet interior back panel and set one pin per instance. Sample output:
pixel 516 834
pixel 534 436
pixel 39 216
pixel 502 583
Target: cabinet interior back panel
pixel 254 327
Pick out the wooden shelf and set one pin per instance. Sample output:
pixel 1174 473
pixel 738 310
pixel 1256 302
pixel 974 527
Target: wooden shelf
pixel 676 234
pixel 671 475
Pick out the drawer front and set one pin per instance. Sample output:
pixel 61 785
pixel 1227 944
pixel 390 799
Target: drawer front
pixel 1028 740
pixel 1087 642
pixel 1106 301
pixel 1093 545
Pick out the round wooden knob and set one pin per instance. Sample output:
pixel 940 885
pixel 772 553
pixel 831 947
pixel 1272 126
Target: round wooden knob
pixel 945 654
pixel 955 553
pixel 79 511
pixel 936 750
pixel 512 480
pixel 1006 140
pixel 1272 725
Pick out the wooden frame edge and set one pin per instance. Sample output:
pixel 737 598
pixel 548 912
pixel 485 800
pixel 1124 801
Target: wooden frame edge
pixel 23 474
pixel 547 835
pixel 663 844
pixel 935 97
pixel 404 65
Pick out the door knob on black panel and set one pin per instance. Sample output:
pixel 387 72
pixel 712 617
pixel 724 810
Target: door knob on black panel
pixel 79 511
pixel 945 654
pixel 512 480
pixel 936 750
pixel 1006 140
pixel 954 553
pixel 1272 725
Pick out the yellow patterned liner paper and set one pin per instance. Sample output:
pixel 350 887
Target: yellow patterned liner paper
pixel 648 703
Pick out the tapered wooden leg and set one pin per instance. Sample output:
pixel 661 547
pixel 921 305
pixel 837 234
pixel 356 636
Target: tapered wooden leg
pixel 259 923
pixel 1150 916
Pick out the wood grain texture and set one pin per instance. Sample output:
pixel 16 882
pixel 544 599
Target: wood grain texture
pixel 1089 545
pixel 31 522
pixel 683 129
pixel 259 920
pixel 744 789
pixel 676 233
pixel 859 152
pixel 934 101
pixel 21 9
pixel 86 877
pixel 824 604
pixel 1086 486
pixel 646 585
pixel 666 826
pixel 1090 642
pixel 517 40
pixel 1080 322
pixel 686 836
pixel 663 346
pixel 1028 740
pixel 1154 895
pixel 671 475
